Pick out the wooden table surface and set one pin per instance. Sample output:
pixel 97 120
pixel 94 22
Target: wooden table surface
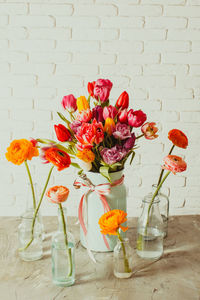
pixel 175 276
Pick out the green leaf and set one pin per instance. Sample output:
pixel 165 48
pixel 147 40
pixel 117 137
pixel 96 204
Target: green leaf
pixel 75 165
pixel 46 141
pixel 132 157
pixel 104 172
pixel 115 165
pixel 80 172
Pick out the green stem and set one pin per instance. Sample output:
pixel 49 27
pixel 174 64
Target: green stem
pixel 162 171
pixel 31 183
pixel 66 240
pixel 126 263
pixel 152 200
pixel 139 136
pixel 36 212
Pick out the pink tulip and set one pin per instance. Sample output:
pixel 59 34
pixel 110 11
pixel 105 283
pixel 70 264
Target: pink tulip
pixel 102 89
pixel 136 118
pixel 109 112
pixel 69 102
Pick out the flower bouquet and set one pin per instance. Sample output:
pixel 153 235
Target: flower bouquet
pixel 99 138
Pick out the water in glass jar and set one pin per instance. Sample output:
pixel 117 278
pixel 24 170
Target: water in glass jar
pixel 150 245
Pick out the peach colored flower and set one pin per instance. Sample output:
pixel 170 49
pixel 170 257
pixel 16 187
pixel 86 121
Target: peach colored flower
pixel 174 164
pixel 149 130
pixel 111 221
pixel 57 194
pixel 178 138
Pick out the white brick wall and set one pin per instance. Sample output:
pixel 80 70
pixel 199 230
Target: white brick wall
pixel 150 48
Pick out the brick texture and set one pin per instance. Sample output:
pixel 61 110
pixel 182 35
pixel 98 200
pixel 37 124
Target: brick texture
pixel 150 48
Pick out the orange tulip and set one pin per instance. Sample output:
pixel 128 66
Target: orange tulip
pixel 86 155
pixel 111 221
pixel 109 126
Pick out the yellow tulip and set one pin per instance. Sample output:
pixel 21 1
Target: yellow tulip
pixel 109 126
pixel 82 103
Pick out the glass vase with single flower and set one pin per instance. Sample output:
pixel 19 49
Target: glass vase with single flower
pixel 178 139
pixel 19 152
pixel 30 227
pixel 150 224
pixel 62 249
pixel 100 138
pixel 111 224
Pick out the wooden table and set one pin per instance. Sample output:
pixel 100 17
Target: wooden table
pixel 175 276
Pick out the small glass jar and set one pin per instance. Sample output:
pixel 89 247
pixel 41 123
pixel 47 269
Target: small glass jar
pixel 163 206
pixel 34 251
pixel 150 230
pixel 63 258
pixel 123 259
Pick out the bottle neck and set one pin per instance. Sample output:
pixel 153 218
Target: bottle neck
pixel 62 218
pixel 29 196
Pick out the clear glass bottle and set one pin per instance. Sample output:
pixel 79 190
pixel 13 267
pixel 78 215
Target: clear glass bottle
pixel 30 207
pixel 150 230
pixel 63 260
pixel 34 251
pixel 163 205
pixel 123 259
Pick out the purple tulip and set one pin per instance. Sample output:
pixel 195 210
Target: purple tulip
pixel 75 126
pixel 130 142
pixel 122 131
pixel 69 102
pixel 97 113
pixel 113 155
pixel 109 112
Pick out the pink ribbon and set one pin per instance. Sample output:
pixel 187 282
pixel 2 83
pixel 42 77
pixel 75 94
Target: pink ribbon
pixel 101 190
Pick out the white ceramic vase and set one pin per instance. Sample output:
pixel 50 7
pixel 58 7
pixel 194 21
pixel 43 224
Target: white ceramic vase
pixel 94 210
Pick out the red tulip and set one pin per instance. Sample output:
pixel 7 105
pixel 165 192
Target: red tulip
pixel 122 117
pixel 123 100
pixel 62 133
pixel 91 88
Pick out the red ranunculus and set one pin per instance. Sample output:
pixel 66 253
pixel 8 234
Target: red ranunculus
pixel 58 158
pixel 123 100
pixel 62 133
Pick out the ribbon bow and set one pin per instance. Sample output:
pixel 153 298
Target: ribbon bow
pixel 101 190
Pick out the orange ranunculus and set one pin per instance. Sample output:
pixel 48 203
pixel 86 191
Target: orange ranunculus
pixel 82 103
pixel 57 194
pixel 109 126
pixel 21 150
pixel 111 221
pixel 58 158
pixel 86 155
pixel 178 138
